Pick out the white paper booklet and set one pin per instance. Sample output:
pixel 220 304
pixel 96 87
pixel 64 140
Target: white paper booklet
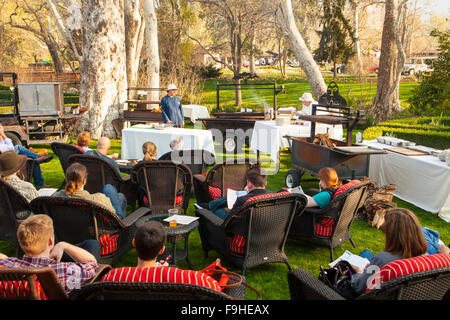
pixel 232 195
pixel 352 259
pixel 181 219
pixel 297 190
pixel 46 192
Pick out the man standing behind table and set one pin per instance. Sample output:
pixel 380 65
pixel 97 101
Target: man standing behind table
pixel 171 107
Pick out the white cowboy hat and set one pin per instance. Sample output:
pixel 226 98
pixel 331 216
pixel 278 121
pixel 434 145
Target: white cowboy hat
pixel 172 87
pixel 306 97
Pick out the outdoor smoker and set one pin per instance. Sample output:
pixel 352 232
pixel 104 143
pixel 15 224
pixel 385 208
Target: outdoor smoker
pixel 351 161
pixel 232 121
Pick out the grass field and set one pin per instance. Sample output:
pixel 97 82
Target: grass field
pixel 270 280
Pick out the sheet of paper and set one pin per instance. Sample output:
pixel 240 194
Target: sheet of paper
pixel 46 192
pixel 232 195
pixel 352 259
pixel 297 190
pixel 181 219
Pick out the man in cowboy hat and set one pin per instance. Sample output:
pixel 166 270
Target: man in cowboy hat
pixel 307 102
pixel 171 108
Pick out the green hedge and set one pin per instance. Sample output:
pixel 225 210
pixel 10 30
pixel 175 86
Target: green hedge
pixel 430 138
pixel 426 127
pixel 445 121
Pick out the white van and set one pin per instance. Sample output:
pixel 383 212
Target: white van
pixel 415 65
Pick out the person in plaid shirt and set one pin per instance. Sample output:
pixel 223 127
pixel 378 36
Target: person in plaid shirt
pixel 37 240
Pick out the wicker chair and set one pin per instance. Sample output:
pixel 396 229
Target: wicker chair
pixel 433 284
pixel 75 220
pixel 12 202
pixel 254 234
pixel 166 184
pixel 197 160
pixel 101 172
pixel 330 226
pixel 26 172
pixel 146 291
pixel 63 151
pixel 223 176
pixel 36 283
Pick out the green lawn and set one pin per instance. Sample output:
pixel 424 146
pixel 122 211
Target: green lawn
pixel 270 279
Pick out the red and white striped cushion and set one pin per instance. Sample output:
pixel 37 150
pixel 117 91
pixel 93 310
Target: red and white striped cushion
pixel 324 228
pixel 267 195
pixel 161 275
pixel 345 187
pixel 108 243
pixel 403 267
pixel 236 243
pixel 17 289
pixel 214 192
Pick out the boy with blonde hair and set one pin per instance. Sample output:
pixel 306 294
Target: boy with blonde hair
pixel 37 240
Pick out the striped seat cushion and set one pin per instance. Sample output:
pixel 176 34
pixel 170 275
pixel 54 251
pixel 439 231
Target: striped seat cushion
pixel 324 228
pixel 108 243
pixel 214 192
pixel 345 187
pixel 161 275
pixel 236 242
pixel 404 267
pixel 178 199
pixel 18 289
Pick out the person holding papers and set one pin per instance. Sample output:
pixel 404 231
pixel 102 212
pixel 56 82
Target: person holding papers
pixel 256 185
pixel 403 239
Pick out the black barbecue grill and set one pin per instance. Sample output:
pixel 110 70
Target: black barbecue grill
pixel 351 161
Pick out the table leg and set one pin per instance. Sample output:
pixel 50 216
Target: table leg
pixel 186 249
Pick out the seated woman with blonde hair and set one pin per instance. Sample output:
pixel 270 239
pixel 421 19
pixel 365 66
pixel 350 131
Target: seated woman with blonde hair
pixel 76 178
pixel 150 151
pixel 328 184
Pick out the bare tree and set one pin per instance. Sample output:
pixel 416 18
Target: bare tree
pixel 152 46
pixel 286 19
pixel 103 73
pixel 134 38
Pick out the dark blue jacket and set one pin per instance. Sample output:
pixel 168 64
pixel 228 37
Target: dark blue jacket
pixel 172 110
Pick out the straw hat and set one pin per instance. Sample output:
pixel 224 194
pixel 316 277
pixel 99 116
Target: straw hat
pixel 172 87
pixel 306 97
pixel 11 162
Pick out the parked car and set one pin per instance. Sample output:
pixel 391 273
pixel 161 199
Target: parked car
pixel 418 65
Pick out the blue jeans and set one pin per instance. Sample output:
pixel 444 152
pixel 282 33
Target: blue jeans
pixel 118 200
pixel 37 174
pixel 367 254
pixel 91 246
pixel 218 207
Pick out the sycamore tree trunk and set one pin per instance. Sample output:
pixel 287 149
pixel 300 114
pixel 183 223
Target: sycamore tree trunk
pixel 303 55
pixel 236 54
pixel 386 99
pixel 103 80
pixel 152 48
pixel 134 39
pixel 357 43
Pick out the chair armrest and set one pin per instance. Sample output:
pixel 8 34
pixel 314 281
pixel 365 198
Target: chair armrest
pixel 304 286
pixel 199 177
pixel 126 178
pixel 101 271
pixel 208 215
pixel 135 216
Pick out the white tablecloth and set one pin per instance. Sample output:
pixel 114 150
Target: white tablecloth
pixel 423 181
pixel 267 137
pixel 194 112
pixel 133 138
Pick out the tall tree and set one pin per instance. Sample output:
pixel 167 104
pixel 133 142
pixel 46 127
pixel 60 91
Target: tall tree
pixel 134 38
pixel 103 81
pixel 286 19
pixel 334 45
pixel 152 46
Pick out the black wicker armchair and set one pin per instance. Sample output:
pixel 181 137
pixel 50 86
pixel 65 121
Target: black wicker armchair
pixel 254 234
pixel 63 151
pixel 12 204
pixel 330 226
pixel 197 160
pixel 101 172
pixel 76 220
pixel 430 284
pixel 223 176
pixel 166 185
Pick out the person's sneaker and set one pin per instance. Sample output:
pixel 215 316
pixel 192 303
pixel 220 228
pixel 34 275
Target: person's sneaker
pixel 43 159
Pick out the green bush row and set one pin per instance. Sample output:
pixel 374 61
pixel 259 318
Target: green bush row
pixel 429 138
pixel 445 121
pixel 415 126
